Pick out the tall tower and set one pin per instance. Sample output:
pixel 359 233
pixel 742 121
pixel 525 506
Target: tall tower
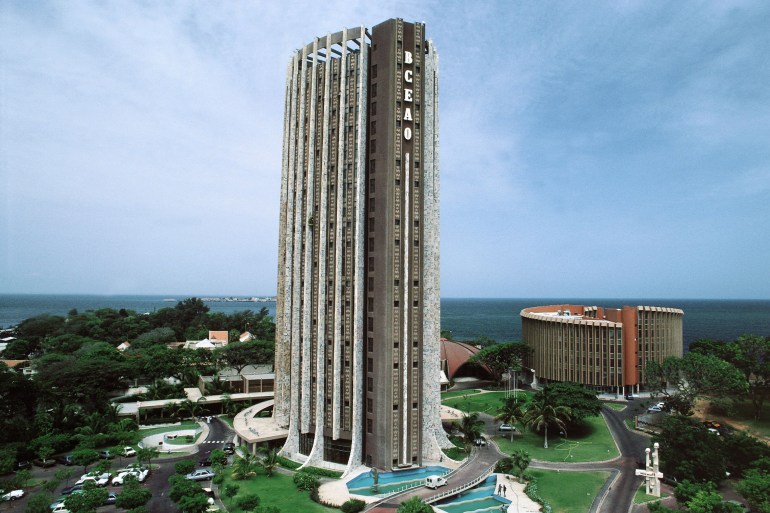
pixel 357 318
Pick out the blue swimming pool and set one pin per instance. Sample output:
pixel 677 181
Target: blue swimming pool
pixel 392 481
pixel 480 499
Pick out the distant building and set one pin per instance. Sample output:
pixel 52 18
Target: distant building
pixel 245 337
pixel 252 378
pixel 454 362
pixel 219 337
pixel 357 312
pixel 604 348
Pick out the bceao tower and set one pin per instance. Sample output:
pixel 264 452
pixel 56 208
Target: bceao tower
pixel 357 317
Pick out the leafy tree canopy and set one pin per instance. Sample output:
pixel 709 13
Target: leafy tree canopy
pixel 581 401
pixel 500 357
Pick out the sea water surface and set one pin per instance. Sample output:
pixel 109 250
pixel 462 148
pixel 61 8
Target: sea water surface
pixel 465 318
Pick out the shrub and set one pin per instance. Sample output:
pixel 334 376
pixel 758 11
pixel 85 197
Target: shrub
pixel 184 466
pixel 353 506
pixel 248 501
pixel 305 481
pixel 504 465
pixel 287 463
pixel 322 472
pixel 231 490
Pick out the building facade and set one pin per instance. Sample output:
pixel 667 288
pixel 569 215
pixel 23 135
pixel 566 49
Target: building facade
pixel 604 348
pixel 357 316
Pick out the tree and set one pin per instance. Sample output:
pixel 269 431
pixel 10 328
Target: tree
pixel 86 502
pixel 146 454
pixel 501 357
pixel 520 460
pixel 755 487
pixel 542 412
pixel 238 355
pixel 752 357
pixel 188 408
pixel 39 503
pixel 245 466
pixel 183 487
pixel 269 460
pixel 510 412
pixel 84 457
pixel 691 376
pixel 193 503
pixel 581 401
pixel 133 495
pixel 689 451
pixel 414 505
pixel 470 427
pixel 184 467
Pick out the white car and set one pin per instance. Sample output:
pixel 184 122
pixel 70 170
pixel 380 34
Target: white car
pixel 13 495
pixel 97 479
pixel 506 427
pixel 128 452
pixel 59 508
pixel 202 474
pixel 654 409
pixel 140 476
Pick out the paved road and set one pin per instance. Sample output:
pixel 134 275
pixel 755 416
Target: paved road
pixel 219 433
pixel 615 496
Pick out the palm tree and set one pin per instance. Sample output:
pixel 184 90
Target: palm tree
pixel 541 414
pixel 510 412
pixel 245 466
pixel 190 407
pixel 471 427
pixel 269 460
pixel 521 460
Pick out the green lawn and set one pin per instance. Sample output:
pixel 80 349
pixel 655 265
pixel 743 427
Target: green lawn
pixel 487 402
pixel 278 491
pixel 186 425
pixel 569 492
pixel 591 443
pixel 456 393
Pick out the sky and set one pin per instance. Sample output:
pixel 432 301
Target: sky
pixel 588 149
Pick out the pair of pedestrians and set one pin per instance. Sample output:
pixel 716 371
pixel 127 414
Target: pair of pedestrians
pixel 501 489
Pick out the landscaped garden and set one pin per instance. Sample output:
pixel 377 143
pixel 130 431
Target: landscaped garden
pixel 278 491
pixel 568 492
pixel 486 402
pixel 591 441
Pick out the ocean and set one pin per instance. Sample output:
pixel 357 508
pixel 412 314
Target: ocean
pixel 466 318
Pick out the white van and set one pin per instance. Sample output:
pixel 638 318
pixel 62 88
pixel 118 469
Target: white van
pixel 435 481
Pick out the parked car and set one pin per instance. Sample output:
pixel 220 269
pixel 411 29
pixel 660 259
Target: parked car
pixel 229 448
pixel 72 489
pixel 112 498
pixel 23 465
pixel 506 427
pixel 480 442
pixel 106 454
pixel 44 463
pixel 140 476
pixel 99 479
pixel 65 459
pixel 128 452
pixel 59 508
pixel 654 409
pixel 202 474
pixel 13 495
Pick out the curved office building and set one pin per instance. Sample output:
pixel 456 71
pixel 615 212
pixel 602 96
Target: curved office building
pixel 603 348
pixel 357 318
